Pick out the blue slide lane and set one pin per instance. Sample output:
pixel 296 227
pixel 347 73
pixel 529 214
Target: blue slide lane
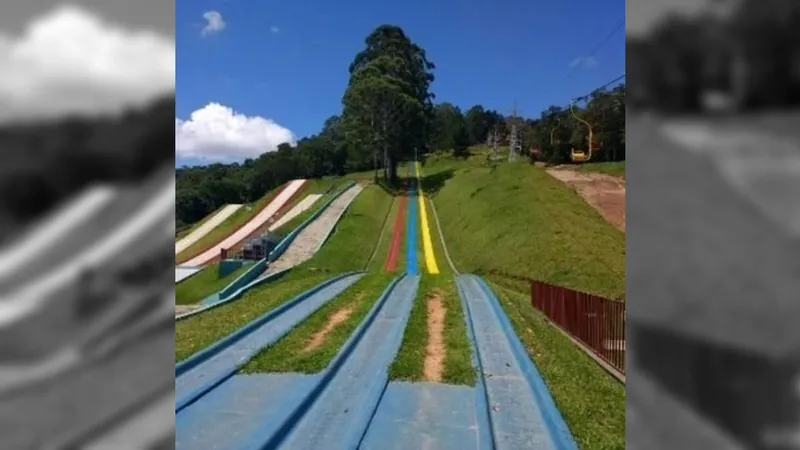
pixel 236 415
pixel 522 413
pixel 427 415
pixel 412 267
pixel 248 410
pixel 206 370
pixel 433 415
pixel 338 412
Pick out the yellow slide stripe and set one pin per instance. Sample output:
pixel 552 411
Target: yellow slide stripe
pixel 427 244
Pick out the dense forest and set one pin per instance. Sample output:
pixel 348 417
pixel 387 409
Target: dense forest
pixel 44 163
pixel 743 56
pixel 388 114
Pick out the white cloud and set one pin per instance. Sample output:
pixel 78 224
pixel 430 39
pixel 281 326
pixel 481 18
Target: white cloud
pixel 274 29
pixel 69 61
pixel 214 23
pixel 218 133
pixel 584 62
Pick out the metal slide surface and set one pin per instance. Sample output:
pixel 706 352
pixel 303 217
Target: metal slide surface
pixel 303 206
pixel 226 361
pixel 55 229
pixel 309 240
pixel 344 408
pixel 53 245
pixel 206 227
pixel 44 286
pixel 255 223
pixel 522 413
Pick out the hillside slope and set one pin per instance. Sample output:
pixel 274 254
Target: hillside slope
pixel 518 221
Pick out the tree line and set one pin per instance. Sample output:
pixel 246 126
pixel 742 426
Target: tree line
pixel 44 163
pixel 389 116
pixel 548 138
pixel 745 57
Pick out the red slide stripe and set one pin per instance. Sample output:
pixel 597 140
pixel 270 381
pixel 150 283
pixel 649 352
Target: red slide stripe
pixel 397 234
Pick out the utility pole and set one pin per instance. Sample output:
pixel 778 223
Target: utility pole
pixel 515 142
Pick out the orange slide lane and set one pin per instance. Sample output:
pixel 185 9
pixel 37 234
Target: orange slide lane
pixel 397 235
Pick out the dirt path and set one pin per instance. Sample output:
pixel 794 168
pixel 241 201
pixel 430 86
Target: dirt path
pixel 435 350
pixel 336 319
pixel 605 193
pixel 307 241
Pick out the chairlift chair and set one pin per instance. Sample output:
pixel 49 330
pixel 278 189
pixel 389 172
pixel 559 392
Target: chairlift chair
pixel 577 155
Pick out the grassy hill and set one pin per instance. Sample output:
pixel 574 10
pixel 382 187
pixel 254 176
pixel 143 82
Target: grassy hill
pixel 513 221
pixel 518 221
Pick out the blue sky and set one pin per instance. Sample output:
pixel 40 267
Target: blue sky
pixel 287 61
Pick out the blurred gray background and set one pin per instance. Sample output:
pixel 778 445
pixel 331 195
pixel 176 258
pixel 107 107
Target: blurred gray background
pixel 713 211
pixel 156 15
pixel 86 225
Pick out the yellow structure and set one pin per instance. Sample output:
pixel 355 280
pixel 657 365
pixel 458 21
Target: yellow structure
pixel 576 155
pixel 427 243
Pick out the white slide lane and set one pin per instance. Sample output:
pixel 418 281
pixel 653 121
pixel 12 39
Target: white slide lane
pixel 298 209
pixel 54 228
pixel 205 228
pixel 32 296
pixel 182 273
pixel 255 223
pixel 308 241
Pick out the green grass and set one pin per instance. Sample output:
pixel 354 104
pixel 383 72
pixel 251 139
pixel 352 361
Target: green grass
pixel 356 235
pixel 385 237
pixel 348 249
pixel 228 226
pixel 366 175
pixel 409 363
pixel 200 331
pixel 616 168
pixel 180 233
pixel 591 402
pixel 289 354
pixel 205 283
pixel 520 221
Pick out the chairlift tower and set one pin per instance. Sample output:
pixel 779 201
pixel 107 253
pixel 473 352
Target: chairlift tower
pixel 492 143
pixel 514 139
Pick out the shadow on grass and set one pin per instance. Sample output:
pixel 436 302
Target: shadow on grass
pixel 389 188
pixel 431 184
pixel 440 155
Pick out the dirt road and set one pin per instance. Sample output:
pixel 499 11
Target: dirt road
pixel 605 193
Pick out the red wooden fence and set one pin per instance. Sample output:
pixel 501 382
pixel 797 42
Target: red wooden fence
pixel 599 323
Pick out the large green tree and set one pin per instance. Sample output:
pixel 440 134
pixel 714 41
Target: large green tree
pixel 388 103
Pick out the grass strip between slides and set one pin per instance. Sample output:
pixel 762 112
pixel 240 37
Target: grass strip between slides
pixel 311 346
pixel 348 249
